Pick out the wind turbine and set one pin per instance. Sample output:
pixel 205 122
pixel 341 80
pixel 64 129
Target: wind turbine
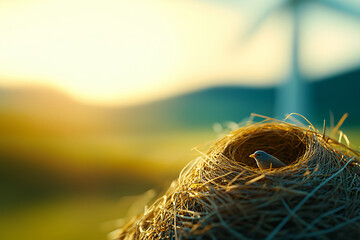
pixel 291 95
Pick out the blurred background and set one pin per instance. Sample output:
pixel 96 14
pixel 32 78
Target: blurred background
pixel 101 101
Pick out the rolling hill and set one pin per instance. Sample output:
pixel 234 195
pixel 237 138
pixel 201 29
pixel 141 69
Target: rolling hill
pixel 198 109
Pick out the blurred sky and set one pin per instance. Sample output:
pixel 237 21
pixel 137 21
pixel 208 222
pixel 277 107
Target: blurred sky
pixel 129 52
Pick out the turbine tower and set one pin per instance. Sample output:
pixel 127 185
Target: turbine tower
pixel 292 94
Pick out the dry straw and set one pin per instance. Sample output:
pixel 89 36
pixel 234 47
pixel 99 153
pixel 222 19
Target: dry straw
pixel 223 195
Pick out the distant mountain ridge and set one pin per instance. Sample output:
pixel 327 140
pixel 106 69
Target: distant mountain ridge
pixel 203 108
pixel 198 109
pixel 338 94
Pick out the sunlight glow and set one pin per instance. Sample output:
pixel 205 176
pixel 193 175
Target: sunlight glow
pixel 92 49
pixel 128 52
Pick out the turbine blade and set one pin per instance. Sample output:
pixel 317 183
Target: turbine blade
pixel 260 19
pixel 337 5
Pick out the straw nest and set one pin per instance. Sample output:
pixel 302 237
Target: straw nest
pixel 223 195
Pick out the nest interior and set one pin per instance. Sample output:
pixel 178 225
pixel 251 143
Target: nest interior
pixel 223 195
pixel 274 139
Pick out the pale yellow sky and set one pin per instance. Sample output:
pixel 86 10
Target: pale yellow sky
pixel 128 52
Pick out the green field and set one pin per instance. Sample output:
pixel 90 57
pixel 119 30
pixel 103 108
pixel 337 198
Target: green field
pixel 64 188
pixel 66 207
pixel 70 174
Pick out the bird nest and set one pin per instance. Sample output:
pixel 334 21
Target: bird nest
pixel 223 195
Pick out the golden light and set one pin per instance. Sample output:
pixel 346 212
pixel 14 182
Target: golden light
pixel 97 51
pixel 128 52
pixel 120 51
